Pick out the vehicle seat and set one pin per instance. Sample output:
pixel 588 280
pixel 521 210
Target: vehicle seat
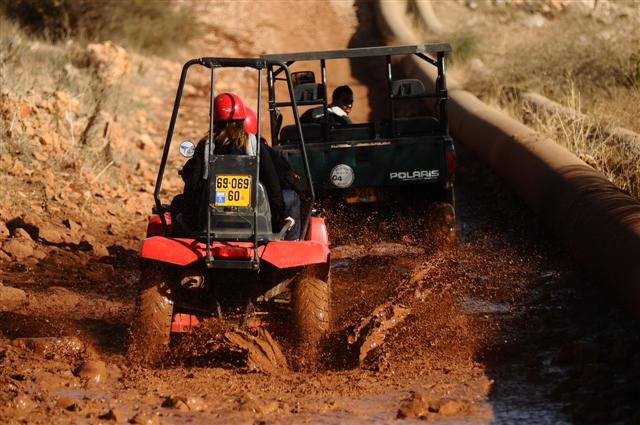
pixel 417 126
pixel 308 92
pixel 352 132
pixel 238 225
pixel 408 87
pixel 312 132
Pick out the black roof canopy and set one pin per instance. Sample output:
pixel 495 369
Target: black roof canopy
pixel 358 52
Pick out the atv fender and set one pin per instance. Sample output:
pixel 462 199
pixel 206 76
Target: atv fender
pixel 155 227
pixel 172 250
pixel 318 231
pixel 282 254
pixel 285 254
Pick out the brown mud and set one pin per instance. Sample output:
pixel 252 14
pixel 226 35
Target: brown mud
pixel 498 327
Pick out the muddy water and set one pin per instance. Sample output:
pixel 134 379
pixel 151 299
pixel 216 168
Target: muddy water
pixel 454 333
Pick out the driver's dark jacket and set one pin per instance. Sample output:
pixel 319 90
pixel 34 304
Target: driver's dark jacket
pixel 195 193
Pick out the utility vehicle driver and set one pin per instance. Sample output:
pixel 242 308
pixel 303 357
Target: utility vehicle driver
pixel 339 108
pixel 230 137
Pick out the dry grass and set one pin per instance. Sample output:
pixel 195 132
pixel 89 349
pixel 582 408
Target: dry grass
pixel 588 138
pixel 583 63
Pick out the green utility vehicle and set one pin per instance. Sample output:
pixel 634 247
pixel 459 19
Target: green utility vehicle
pixel 409 150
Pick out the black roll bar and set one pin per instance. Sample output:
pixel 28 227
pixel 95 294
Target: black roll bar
pixel 212 63
pixel 307 169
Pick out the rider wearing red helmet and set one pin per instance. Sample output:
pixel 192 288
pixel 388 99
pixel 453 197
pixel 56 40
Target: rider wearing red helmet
pixel 230 137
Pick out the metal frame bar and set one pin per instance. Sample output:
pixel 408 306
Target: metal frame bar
pixel 359 52
pixel 212 63
pixel 209 147
pixel 296 117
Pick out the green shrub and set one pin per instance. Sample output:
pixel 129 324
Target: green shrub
pixel 464 47
pixel 152 26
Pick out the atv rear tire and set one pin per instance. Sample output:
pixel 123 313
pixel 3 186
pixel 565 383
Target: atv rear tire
pixel 311 313
pixel 151 331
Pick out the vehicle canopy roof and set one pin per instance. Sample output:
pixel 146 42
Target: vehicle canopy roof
pixel 359 52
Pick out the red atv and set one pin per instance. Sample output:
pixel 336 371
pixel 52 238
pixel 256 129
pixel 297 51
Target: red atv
pixel 234 266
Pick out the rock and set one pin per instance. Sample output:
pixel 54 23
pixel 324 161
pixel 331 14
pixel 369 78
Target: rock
pixel 29 223
pixel 52 347
pixel 20 233
pixel 4 256
pixel 68 403
pixel 99 250
pixel 420 406
pixel 447 406
pixel 196 404
pixel 145 418
pixel 39 254
pixel 53 234
pixel 417 406
pixel 110 61
pixel 72 225
pixel 175 402
pixel 11 298
pixel 94 371
pixel 113 414
pixel 144 142
pixel 18 249
pixel 22 405
pixel 249 403
pixel 4 231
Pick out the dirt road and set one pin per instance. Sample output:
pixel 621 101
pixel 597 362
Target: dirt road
pixel 499 327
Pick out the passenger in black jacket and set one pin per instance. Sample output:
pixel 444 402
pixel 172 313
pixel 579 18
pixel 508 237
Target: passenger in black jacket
pixel 229 137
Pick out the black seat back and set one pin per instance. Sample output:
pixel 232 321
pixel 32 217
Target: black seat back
pixel 236 222
pixel 407 88
pixel 312 132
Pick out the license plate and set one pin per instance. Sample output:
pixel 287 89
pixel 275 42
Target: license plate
pixel 233 191
pixel 363 195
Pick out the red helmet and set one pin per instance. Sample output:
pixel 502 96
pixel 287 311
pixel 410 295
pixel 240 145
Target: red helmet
pixel 251 121
pixel 228 106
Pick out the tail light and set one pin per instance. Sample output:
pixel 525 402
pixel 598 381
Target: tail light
pixel 231 252
pixel 451 163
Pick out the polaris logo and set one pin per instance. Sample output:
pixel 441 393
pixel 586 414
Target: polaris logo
pixel 415 175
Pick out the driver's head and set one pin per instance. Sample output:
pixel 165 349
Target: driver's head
pixel 228 107
pixel 343 97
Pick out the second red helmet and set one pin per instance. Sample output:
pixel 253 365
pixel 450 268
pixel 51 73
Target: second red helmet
pixel 251 121
pixel 228 106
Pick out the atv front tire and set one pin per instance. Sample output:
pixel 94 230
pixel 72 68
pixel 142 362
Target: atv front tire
pixel 151 330
pixel 310 301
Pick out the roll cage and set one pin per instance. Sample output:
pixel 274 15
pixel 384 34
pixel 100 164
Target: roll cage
pixel 212 63
pixel 422 51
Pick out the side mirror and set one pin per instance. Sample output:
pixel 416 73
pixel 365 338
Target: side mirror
pixel 187 148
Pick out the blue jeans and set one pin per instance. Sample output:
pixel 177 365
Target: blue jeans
pixel 292 209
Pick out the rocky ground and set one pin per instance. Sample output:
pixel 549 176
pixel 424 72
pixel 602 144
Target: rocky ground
pixel 498 327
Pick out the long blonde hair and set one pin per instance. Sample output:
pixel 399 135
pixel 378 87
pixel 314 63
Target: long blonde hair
pixel 229 136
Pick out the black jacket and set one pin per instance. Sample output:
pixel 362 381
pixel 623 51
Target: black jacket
pixel 195 193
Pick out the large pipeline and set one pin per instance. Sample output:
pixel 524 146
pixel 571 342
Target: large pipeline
pixel 598 222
